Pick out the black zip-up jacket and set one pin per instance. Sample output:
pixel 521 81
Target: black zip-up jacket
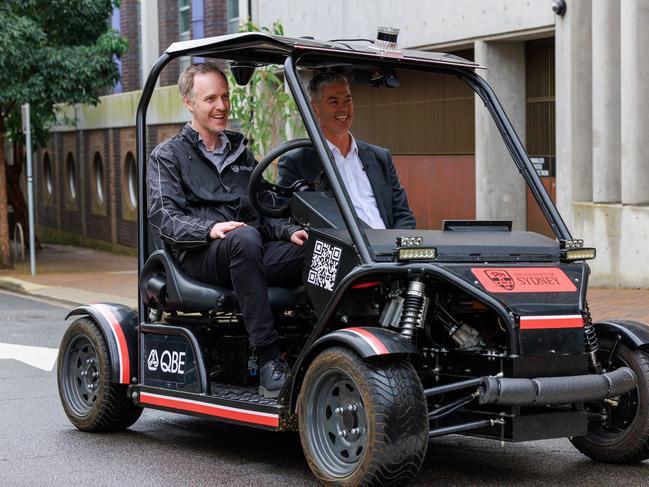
pixel 187 195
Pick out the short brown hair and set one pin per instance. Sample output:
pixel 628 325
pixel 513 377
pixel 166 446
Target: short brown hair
pixel 321 80
pixel 186 78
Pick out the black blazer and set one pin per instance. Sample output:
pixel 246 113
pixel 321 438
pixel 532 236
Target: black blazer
pixel 390 196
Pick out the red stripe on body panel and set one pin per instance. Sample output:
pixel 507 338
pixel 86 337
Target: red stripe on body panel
pixel 242 415
pixel 122 348
pixel 541 322
pixel 374 343
pixel 364 285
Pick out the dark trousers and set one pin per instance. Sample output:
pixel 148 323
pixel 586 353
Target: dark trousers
pixel 244 262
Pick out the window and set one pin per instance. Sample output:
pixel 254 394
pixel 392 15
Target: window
pixel 184 28
pixel 233 16
pixel 130 169
pixel 71 177
pixel 47 175
pixel 98 168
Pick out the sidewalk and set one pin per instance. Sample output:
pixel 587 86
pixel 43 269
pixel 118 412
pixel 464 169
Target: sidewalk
pixel 77 275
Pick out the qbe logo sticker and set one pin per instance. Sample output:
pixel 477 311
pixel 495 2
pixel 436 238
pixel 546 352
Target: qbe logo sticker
pixel 324 265
pixel 170 361
pixel 153 360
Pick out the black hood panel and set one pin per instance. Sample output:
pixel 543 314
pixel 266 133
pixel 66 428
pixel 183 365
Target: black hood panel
pixel 483 246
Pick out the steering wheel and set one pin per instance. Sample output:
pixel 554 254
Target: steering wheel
pixel 258 184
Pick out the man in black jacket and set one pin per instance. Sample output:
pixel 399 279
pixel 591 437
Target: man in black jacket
pixel 197 200
pixel 367 170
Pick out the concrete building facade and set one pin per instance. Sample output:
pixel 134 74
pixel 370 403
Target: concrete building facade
pixel 573 84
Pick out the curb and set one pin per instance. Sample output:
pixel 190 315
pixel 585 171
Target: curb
pixel 16 286
pixel 11 285
pixel 59 294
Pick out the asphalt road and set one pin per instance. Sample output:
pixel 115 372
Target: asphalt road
pixel 38 446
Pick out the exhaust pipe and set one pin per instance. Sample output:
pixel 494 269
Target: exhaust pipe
pixel 556 390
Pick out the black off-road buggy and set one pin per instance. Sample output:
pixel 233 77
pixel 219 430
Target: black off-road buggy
pixel 397 336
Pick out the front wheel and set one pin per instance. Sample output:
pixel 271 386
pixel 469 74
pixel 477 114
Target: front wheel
pixel 362 422
pixel 90 399
pixel 623 434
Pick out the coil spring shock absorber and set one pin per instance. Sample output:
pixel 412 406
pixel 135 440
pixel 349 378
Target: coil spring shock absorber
pixel 413 305
pixel 592 346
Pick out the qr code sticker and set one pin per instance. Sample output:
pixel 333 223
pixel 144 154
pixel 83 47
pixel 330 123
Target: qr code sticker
pixel 324 265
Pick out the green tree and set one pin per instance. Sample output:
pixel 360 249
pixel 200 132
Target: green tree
pixel 266 112
pixel 51 52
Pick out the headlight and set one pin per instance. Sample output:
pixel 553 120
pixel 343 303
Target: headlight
pixel 587 253
pixel 417 253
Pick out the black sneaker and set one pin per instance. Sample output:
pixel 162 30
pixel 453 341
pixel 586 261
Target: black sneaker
pixel 272 377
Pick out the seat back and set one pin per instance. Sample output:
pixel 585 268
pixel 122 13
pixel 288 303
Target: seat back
pixel 164 286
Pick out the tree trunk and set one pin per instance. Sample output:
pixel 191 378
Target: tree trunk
pixel 5 255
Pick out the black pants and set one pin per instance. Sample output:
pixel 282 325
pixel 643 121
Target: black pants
pixel 243 261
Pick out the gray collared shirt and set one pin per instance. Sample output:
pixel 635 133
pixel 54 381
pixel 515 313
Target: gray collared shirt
pixel 219 155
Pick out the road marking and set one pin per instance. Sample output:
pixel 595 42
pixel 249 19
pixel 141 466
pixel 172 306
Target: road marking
pixel 39 357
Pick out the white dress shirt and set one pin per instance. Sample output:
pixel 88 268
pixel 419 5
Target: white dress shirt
pixel 358 185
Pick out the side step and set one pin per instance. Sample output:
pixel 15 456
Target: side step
pixel 238 405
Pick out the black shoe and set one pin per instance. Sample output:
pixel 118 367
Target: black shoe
pixel 272 377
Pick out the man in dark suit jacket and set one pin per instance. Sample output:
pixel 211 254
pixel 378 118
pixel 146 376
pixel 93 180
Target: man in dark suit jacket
pixel 367 170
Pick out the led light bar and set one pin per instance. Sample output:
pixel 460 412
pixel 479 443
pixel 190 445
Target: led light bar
pixel 417 253
pixel 409 241
pixel 575 243
pixel 586 253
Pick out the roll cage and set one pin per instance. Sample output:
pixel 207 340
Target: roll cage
pixel 258 49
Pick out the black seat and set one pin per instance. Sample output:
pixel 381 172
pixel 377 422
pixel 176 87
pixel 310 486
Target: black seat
pixel 164 286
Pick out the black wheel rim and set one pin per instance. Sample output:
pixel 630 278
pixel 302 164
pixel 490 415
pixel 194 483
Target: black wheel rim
pixel 81 375
pixel 337 423
pixel 619 412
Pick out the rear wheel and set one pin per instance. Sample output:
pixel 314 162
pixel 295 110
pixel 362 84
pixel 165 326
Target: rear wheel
pixel 90 400
pixel 362 422
pixel 623 434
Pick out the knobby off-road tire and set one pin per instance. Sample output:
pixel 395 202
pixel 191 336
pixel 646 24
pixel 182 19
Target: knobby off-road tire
pixel 90 400
pixel 384 418
pixel 625 439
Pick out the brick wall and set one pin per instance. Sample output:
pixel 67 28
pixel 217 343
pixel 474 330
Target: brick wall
pixel 129 20
pixel 112 220
pixel 115 219
pixel 70 208
pixel 216 17
pixel 46 203
pixel 126 213
pixel 168 34
pixel 165 132
pixel 58 176
pixel 215 24
pixel 97 214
